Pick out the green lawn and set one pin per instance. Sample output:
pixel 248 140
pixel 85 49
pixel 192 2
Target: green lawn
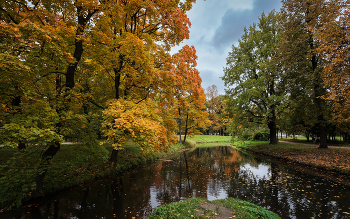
pixel 210 138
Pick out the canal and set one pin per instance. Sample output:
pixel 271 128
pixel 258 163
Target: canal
pixel 211 173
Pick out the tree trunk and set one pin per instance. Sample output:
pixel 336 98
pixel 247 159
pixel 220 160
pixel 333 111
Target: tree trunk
pixel 185 129
pixel 272 117
pixel 272 127
pixel 21 146
pixel 180 124
pixel 43 167
pixel 323 137
pixel 114 156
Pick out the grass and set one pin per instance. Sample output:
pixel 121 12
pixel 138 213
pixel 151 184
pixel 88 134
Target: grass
pixel 210 138
pixel 333 159
pixel 194 208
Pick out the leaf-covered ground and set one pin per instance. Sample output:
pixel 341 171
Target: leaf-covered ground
pixel 332 158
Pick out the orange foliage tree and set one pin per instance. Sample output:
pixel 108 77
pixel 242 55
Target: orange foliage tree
pixel 64 62
pixel 334 42
pixel 189 95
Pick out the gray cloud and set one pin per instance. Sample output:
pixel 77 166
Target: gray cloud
pixel 210 77
pixel 216 25
pixel 233 22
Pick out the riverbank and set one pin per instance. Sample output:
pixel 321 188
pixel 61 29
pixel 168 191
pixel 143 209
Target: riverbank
pixel 222 208
pixel 335 159
pixel 74 165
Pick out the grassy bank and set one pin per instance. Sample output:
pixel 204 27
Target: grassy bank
pixel 73 165
pixel 202 208
pixel 333 159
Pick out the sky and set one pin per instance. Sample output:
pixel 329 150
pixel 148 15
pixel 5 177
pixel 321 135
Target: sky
pixel 216 26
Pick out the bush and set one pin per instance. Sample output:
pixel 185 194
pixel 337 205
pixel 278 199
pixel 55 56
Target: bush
pixel 263 135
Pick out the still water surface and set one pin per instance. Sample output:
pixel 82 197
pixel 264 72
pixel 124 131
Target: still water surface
pixel 212 173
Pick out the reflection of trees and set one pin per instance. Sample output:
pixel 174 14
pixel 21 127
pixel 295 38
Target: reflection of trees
pixel 289 193
pixel 197 170
pixel 286 192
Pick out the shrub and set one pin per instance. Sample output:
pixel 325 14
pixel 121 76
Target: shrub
pixel 263 135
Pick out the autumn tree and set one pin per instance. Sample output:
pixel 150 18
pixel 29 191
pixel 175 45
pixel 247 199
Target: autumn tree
pixel 334 42
pixel 302 63
pixel 214 108
pixel 252 77
pixel 63 62
pixel 45 40
pixel 133 43
pixel 189 94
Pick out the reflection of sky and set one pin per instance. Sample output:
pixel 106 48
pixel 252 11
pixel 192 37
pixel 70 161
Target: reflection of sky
pixel 259 172
pixel 219 193
pixel 153 199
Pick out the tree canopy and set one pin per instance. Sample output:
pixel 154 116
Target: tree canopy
pixel 252 77
pixel 76 70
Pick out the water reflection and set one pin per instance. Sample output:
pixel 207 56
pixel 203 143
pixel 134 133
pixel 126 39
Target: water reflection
pixel 211 173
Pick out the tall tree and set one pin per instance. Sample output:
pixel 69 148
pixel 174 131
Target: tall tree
pixel 334 41
pixel 134 47
pixel 63 60
pixel 252 78
pixel 302 63
pixel 189 95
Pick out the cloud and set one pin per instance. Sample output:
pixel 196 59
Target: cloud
pixel 210 77
pixel 216 25
pixel 233 21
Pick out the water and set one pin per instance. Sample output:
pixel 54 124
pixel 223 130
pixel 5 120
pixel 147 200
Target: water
pixel 212 173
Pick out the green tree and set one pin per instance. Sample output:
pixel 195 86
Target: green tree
pixel 252 77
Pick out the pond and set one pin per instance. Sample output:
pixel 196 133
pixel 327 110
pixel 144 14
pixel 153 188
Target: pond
pixel 212 173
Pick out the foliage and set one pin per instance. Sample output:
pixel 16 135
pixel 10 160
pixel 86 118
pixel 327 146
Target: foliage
pixel 189 95
pixel 252 77
pixel 124 120
pixel 261 135
pixel 214 108
pixel 68 67
pixel 302 65
pixel 333 37
pixel 74 165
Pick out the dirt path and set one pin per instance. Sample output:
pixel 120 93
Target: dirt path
pixel 224 213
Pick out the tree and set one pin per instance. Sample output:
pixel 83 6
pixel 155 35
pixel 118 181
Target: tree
pixel 302 63
pixel 214 108
pixel 132 42
pixel 45 39
pixel 252 77
pixel 334 42
pixel 63 62
pixel 189 95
